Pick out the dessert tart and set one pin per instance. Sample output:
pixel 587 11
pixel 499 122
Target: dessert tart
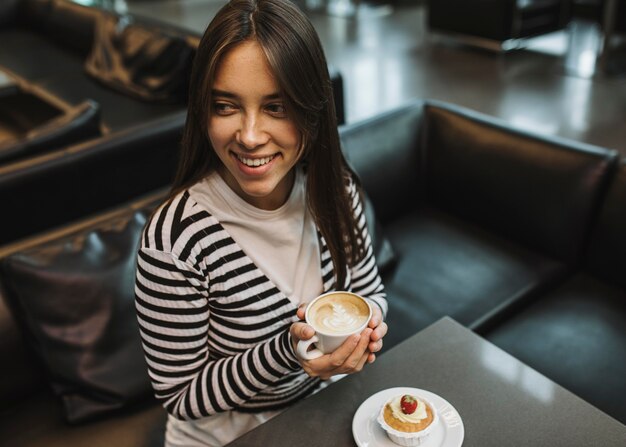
pixel 407 419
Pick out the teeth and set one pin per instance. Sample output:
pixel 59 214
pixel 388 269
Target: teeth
pixel 255 162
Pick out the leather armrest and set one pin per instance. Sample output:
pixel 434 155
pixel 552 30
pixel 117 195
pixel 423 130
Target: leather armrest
pixel 75 125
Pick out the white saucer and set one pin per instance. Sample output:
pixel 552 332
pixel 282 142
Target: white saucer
pixel 368 433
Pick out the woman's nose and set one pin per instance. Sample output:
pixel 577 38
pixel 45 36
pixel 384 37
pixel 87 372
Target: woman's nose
pixel 252 134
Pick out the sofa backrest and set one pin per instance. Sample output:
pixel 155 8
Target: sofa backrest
pixel 72 25
pixel 54 189
pixel 62 21
pixel 607 249
pixel 384 153
pixel 540 192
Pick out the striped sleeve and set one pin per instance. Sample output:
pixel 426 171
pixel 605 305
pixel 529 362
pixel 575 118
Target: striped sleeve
pixel 173 312
pixel 365 279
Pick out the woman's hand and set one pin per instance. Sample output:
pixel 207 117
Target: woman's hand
pixel 351 356
pixel 379 330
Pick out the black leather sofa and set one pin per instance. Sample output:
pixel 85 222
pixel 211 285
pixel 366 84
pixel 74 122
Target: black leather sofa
pixel 517 236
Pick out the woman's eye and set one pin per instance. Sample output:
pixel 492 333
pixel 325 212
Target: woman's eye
pixel 223 108
pixel 277 109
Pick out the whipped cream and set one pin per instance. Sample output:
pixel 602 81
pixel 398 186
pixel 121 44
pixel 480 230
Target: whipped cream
pixel 415 417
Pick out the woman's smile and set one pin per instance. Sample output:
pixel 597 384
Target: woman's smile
pixel 255 165
pixel 255 162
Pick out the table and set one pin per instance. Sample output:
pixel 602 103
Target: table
pixel 502 402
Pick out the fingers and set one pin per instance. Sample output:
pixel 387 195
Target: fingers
pixel 301 311
pixel 377 317
pixel 301 331
pixel 353 361
pixel 340 355
pixel 379 333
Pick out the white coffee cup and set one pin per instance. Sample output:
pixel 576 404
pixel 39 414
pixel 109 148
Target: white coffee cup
pixel 335 316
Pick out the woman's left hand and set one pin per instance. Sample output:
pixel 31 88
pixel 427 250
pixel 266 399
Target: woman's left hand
pixel 379 330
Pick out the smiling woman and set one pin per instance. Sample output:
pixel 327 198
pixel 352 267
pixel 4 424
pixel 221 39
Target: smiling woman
pixel 264 216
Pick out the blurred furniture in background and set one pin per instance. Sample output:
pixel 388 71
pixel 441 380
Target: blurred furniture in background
pixel 79 74
pixel 610 17
pixel 613 24
pixel 496 24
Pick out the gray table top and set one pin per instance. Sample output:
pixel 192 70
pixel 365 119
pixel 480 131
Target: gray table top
pixel 501 401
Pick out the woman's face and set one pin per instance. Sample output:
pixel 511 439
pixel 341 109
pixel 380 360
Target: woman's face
pixel 250 129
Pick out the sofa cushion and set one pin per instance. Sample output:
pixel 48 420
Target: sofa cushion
pixel 383 151
pixel 74 298
pixel 447 267
pixel 539 192
pixel 575 336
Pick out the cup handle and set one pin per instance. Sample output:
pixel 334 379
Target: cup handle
pixel 302 349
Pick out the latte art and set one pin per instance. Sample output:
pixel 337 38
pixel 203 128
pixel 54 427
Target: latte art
pixel 337 317
pixel 337 314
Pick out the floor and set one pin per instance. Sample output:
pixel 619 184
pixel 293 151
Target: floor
pixel 388 57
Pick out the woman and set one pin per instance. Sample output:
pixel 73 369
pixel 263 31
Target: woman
pixel 264 215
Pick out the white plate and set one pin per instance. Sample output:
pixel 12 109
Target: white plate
pixel 368 433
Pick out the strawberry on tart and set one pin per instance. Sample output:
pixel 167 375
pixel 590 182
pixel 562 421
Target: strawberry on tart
pixel 407 419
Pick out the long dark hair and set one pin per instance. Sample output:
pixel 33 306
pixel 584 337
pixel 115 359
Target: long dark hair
pixel 297 60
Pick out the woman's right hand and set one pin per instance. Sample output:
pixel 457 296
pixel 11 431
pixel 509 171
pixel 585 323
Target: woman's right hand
pixel 348 358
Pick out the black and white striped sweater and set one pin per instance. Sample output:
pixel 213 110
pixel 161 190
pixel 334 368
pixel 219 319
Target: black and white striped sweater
pixel 215 329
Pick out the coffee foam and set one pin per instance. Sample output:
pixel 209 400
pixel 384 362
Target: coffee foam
pixel 338 314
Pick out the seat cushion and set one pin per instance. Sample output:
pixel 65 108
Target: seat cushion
pixel 38 422
pixel 446 267
pixel 575 336
pixel 74 298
